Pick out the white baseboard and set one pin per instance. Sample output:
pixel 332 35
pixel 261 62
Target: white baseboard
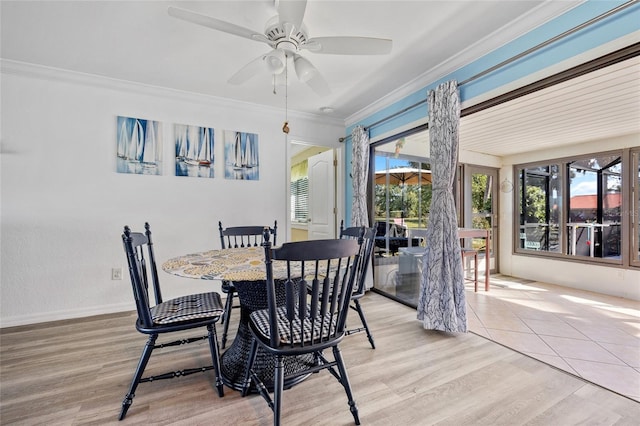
pixel 63 315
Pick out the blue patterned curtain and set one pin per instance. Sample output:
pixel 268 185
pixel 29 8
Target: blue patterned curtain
pixel 442 304
pixel 359 174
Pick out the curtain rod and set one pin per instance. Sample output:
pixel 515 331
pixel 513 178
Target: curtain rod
pixel 550 41
pixel 510 60
pixel 389 117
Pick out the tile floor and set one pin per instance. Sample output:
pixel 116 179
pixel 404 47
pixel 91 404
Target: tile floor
pixel 593 336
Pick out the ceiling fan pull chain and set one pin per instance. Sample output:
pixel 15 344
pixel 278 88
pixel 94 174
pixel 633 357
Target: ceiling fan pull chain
pixel 285 126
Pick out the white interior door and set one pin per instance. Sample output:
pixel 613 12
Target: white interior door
pixel 322 196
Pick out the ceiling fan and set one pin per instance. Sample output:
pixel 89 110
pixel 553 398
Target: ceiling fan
pixel 287 36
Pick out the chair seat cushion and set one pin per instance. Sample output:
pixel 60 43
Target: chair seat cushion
pixel 186 308
pixel 261 321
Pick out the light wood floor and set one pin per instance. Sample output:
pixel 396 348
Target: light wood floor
pixel 77 372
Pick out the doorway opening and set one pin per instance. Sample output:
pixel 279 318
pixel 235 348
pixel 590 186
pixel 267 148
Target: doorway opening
pixel 312 191
pixel 401 201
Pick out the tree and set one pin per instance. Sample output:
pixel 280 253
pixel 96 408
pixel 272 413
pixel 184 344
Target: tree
pixel 536 206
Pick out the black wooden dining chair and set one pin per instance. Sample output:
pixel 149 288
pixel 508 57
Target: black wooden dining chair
pixel 182 313
pixel 234 237
pixel 359 288
pixel 313 316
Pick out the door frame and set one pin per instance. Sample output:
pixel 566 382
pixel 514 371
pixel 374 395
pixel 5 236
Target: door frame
pixel 339 202
pixel 467 216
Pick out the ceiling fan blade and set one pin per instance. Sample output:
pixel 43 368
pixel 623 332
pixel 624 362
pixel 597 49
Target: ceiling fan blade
pixel 250 70
pixel 291 11
pixel 319 85
pixel 216 24
pixel 349 45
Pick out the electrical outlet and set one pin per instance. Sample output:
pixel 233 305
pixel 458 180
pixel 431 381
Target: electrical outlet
pixel 116 273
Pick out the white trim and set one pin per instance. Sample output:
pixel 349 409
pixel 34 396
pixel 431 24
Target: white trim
pixel 57 74
pixel 18 320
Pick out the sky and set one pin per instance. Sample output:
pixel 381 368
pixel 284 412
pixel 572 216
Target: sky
pixel 380 163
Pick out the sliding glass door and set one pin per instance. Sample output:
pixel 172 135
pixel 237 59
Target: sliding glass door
pixel 401 201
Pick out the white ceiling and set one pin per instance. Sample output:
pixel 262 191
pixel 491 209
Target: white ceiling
pixel 138 41
pixel 599 105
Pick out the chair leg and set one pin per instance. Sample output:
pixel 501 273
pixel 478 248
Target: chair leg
pixel 475 273
pixel 228 307
pixel 142 364
pixel 215 356
pixel 344 380
pixel 250 361
pixel 278 389
pixel 356 302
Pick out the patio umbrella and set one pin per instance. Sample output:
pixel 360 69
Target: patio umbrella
pixel 403 176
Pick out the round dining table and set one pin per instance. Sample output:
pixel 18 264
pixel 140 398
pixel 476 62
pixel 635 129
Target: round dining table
pixel 246 268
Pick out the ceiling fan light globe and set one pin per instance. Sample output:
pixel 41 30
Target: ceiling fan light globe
pixel 304 70
pixel 276 61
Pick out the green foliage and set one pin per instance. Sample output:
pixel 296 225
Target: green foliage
pixel 415 202
pixel 480 193
pixel 536 208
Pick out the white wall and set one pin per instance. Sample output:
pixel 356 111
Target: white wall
pixel 63 206
pixel 610 280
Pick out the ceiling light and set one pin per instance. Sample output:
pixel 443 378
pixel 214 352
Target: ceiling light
pixel 326 110
pixel 304 70
pixel 276 61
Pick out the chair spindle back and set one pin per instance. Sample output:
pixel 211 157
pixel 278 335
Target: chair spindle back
pixel 368 235
pixel 319 282
pixel 142 268
pixel 244 236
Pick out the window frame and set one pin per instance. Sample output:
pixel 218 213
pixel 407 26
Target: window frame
pixel 294 208
pixel 632 180
pixel 629 221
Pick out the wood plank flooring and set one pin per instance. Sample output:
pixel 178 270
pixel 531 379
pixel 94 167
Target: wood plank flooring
pixel 76 372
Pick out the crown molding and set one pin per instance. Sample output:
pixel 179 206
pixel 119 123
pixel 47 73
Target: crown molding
pixel 25 69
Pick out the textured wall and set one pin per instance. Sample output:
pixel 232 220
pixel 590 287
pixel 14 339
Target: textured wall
pixel 64 206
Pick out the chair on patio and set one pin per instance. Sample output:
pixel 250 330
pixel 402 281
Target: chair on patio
pixel 417 237
pixel 389 236
pixel 234 237
pixel 472 255
pixel 359 287
pixel 309 321
pixel 182 313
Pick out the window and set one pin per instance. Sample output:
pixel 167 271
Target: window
pixel 299 192
pixel 300 200
pixel 635 207
pixel 575 207
pixel 540 197
pixel 402 190
pixel 595 203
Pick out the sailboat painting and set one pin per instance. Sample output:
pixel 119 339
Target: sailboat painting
pixel 138 146
pixel 241 156
pixel 194 150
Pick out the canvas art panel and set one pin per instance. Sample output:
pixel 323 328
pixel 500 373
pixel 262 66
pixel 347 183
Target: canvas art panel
pixel 138 146
pixel 194 149
pixel 241 155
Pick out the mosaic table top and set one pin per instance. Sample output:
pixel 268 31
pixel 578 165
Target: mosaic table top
pixel 235 264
